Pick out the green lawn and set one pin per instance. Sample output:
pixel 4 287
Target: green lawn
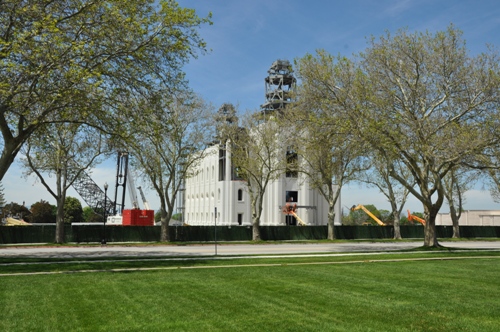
pixel 353 293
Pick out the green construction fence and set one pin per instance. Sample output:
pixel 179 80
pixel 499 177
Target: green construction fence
pixel 95 233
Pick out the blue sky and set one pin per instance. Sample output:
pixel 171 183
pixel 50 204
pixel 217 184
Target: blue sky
pixel 248 35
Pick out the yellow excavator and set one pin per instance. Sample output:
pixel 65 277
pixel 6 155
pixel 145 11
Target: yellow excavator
pixel 361 207
pixel 412 217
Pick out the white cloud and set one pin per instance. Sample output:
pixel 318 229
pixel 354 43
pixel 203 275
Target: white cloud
pixel 397 7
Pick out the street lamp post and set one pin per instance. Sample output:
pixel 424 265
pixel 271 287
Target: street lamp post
pixel 103 242
pixel 215 231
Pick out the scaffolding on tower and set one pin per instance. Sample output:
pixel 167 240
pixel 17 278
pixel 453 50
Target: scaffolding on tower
pixel 280 85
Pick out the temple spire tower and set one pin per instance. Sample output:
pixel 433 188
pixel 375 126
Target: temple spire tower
pixel 279 87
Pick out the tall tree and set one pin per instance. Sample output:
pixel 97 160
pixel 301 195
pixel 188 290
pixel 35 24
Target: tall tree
pixel 73 211
pixel 89 215
pixel 42 212
pixel 395 193
pixel 64 151
pixel 456 183
pixel 64 61
pixel 169 144
pixel 331 156
pixel 258 157
pixel 494 186
pixel 492 174
pixel 423 101
pixel 16 210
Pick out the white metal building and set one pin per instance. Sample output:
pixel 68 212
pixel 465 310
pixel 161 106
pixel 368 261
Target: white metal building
pixel 216 189
pixel 471 218
pixel 217 193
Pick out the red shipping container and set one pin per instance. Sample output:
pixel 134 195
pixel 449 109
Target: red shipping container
pixel 138 218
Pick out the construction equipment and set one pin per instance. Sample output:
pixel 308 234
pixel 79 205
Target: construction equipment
pixel 377 220
pixel 134 216
pixel 144 201
pixel 96 198
pixel 290 209
pixel 412 217
pixel 132 192
pixel 15 222
pixel 121 181
pixel 92 194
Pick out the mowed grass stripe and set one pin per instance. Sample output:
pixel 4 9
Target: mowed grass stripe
pixel 423 295
pixel 132 269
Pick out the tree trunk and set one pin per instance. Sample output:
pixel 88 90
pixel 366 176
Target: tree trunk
pixel 397 229
pixel 454 219
pixel 59 231
pixel 10 150
pixel 456 231
pixel 256 213
pixel 331 222
pixel 255 229
pixel 430 239
pixel 60 222
pixel 165 218
pixel 395 217
pixel 430 236
pixel 164 235
pixel 7 158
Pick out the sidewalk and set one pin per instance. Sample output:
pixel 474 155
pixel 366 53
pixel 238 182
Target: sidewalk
pixel 228 249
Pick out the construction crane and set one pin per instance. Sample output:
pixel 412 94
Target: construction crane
pixel 412 217
pixel 96 198
pixel 92 194
pixel 121 181
pixel 144 201
pixel 132 192
pixel 377 220
pixel 133 216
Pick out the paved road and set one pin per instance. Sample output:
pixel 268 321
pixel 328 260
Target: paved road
pixel 226 249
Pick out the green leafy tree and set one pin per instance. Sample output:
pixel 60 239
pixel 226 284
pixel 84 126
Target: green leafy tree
pixel 429 105
pixel 89 215
pixel 64 151
pixel 259 158
pixel 42 212
pixel 387 217
pixel 455 184
pixel 404 220
pixel 73 211
pixel 16 210
pixel 331 155
pixel 396 194
pixel 491 175
pixel 168 146
pixel 67 61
